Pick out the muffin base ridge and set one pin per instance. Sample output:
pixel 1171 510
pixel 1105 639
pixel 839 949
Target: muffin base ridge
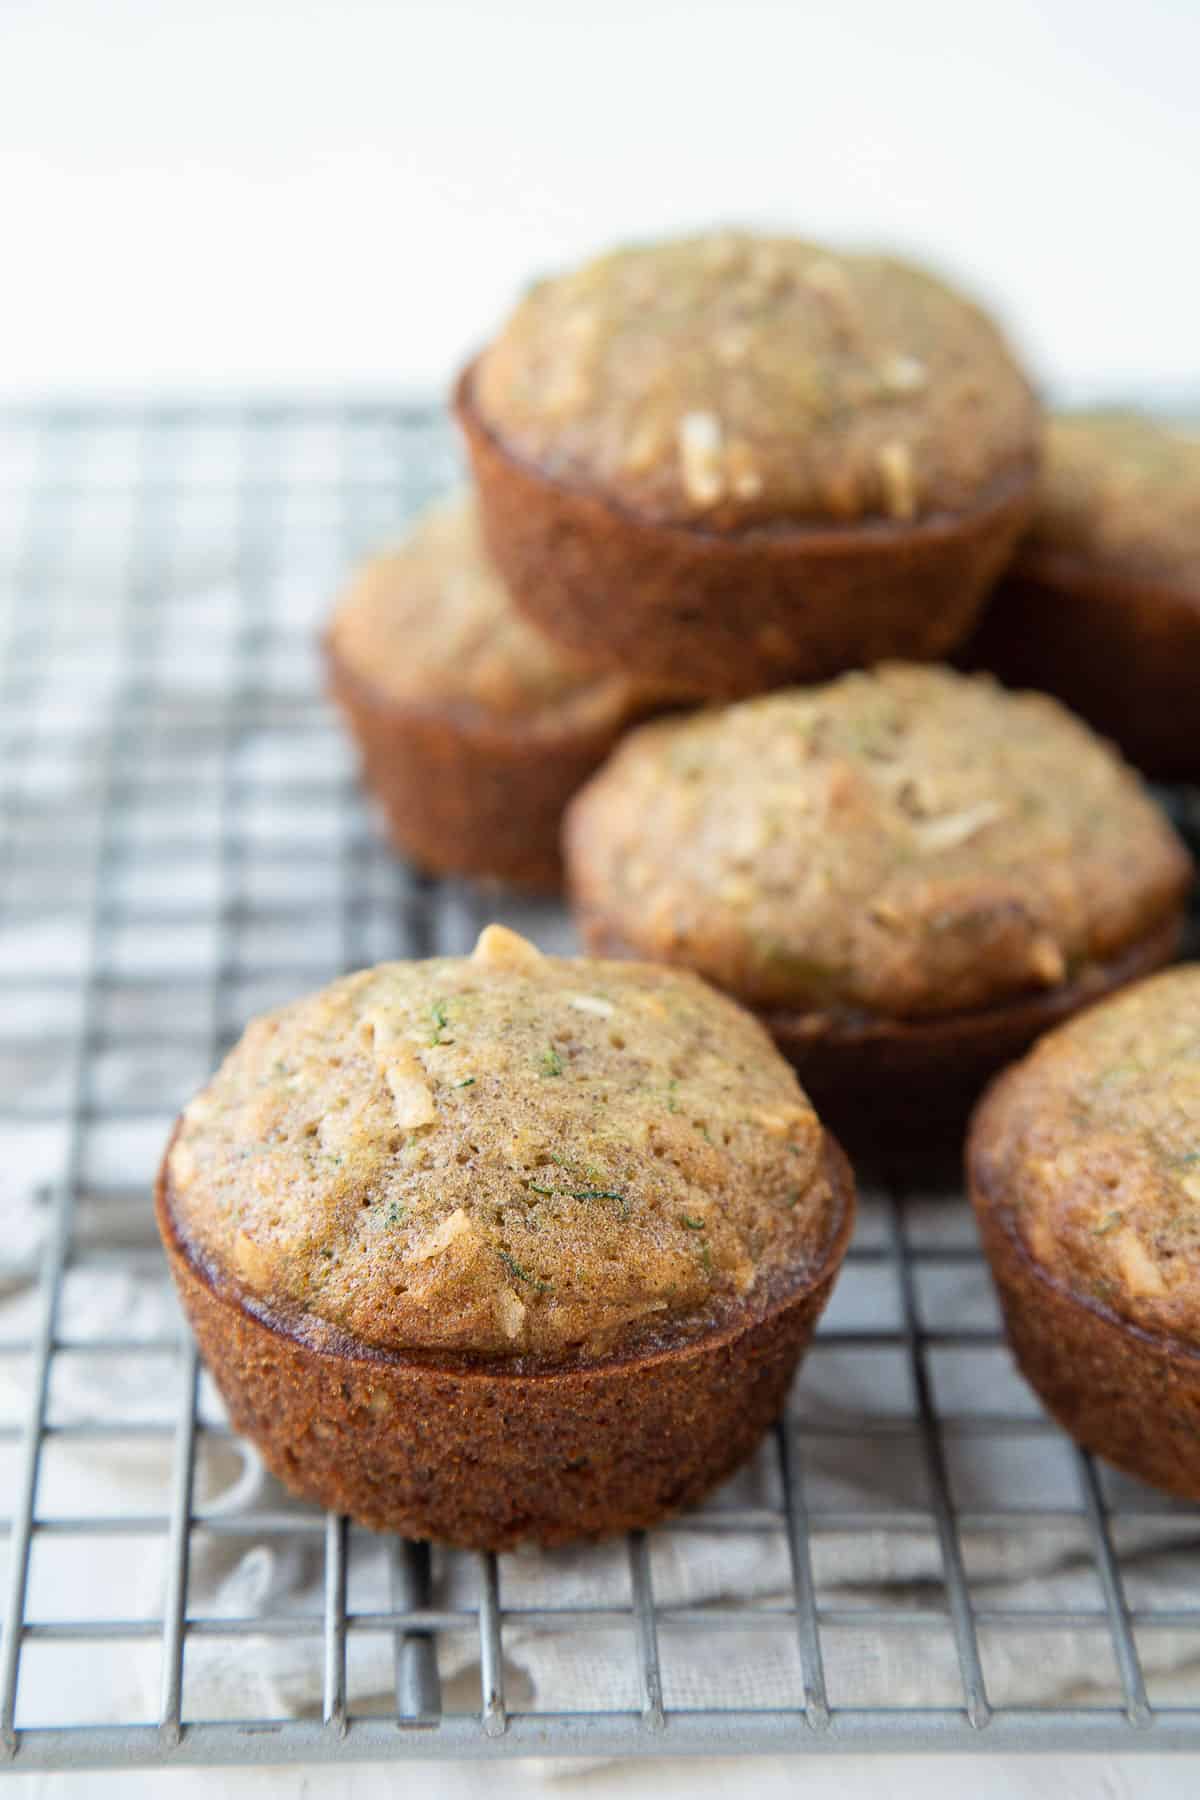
pixel 731 613
pixel 906 1079
pixel 1129 1395
pixel 465 796
pixel 483 1457
pixel 1123 654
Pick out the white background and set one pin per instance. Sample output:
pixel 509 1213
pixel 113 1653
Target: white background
pixel 200 193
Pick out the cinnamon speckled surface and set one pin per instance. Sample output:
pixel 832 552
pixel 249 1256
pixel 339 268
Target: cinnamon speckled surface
pixel 735 379
pixel 506 1154
pixel 430 624
pixel 1094 1144
pixel 905 842
pixel 1120 492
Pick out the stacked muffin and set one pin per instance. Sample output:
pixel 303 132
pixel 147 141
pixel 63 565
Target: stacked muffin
pixel 731 463
pixel 704 468
pixel 744 461
pixel 474 729
pixel 508 1247
pixel 1101 605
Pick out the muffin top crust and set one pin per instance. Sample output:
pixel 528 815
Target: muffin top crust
pixel 1093 1142
pixel 733 380
pixel 505 1155
pixel 1122 492
pixel 905 842
pixel 430 624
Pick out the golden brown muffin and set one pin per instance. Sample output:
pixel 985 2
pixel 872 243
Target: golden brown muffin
pixel 1102 603
pixel 735 460
pixel 504 1247
pixel 907 873
pixel 474 729
pixel 1084 1168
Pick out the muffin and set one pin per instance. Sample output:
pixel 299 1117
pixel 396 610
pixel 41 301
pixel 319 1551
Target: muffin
pixel 736 461
pixel 907 873
pixel 1102 604
pixel 504 1247
pixel 474 729
pixel 1084 1169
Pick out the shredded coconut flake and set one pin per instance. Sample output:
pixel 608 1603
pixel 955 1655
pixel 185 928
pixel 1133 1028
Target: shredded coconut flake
pixel 1047 961
pixel 952 829
pixel 380 1031
pixel 183 1165
pixel 591 1003
pixel 510 1312
pixel 442 1236
pixel 779 1122
pixel 1141 1274
pixel 899 480
pixel 902 374
pixel 499 948
pixel 700 440
pixel 251 1261
pixel 413 1098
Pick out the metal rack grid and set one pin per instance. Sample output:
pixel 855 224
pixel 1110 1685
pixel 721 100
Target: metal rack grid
pixel 181 844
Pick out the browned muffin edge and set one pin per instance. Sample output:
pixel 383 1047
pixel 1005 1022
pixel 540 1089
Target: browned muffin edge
pixel 733 612
pixel 1128 1394
pixel 483 1458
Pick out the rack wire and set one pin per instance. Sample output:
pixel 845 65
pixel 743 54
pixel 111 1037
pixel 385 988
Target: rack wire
pixel 181 844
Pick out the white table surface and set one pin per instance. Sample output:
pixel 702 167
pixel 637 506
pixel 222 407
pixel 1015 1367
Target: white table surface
pixel 768 1778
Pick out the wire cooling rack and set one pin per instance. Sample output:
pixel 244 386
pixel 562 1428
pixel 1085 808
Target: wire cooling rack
pixel 181 844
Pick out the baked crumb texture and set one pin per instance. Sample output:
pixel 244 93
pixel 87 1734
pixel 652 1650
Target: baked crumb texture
pixel 1093 1146
pixel 474 730
pixel 732 380
pixel 430 625
pixel 505 1155
pixel 1101 605
pixel 905 843
pixel 1121 493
